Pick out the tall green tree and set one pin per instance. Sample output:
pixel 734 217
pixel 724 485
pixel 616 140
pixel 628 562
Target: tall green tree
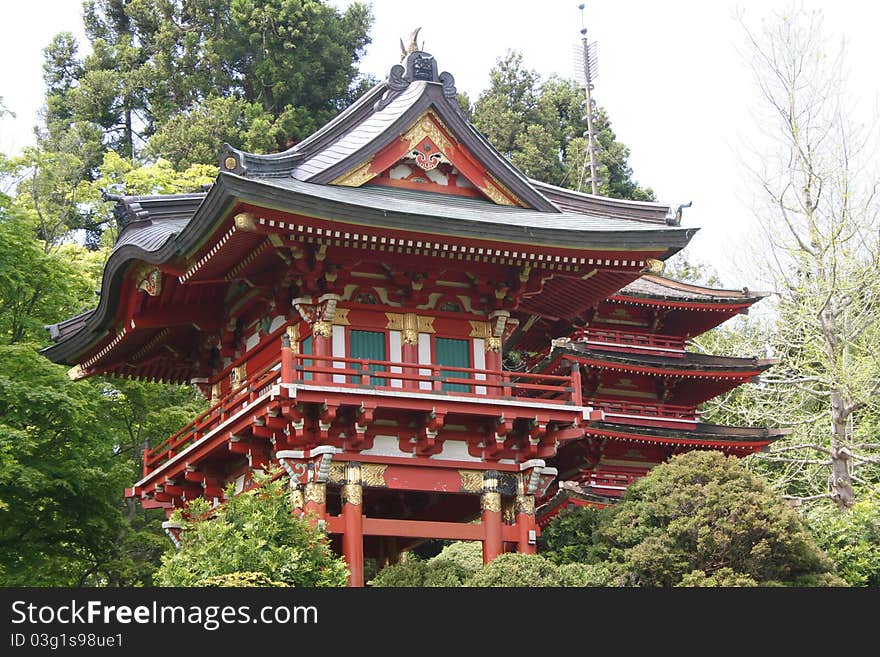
pixel 541 125
pixel 819 211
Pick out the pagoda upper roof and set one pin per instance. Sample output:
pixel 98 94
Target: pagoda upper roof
pixel 702 434
pixel 652 287
pixel 328 176
pixel 163 229
pixel 689 362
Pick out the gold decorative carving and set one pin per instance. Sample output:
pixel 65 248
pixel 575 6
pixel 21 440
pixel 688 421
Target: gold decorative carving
pixel 357 176
pixel 508 514
pixel 493 344
pixel 471 481
pixel 373 474
pixel 238 374
pixel 297 499
pixel 399 322
pixel 316 492
pixel 430 126
pixel 76 373
pixel 149 280
pixel 654 266
pixel 352 494
pixel 340 317
pixel 525 504
pixel 322 329
pixel 336 474
pixel 480 329
pixel 498 192
pixel 491 502
pixel 230 163
pixel 215 393
pixel 245 221
pixel 410 337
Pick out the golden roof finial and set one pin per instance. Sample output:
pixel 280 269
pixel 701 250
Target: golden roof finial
pixel 413 44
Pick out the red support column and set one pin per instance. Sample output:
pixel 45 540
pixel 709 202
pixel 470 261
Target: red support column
pixel 352 513
pixel 491 505
pixel 322 343
pixel 493 364
pixel 577 395
pixel 409 349
pixel 286 359
pixel 525 524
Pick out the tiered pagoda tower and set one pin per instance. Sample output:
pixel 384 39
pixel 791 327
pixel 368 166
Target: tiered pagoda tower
pixel 345 305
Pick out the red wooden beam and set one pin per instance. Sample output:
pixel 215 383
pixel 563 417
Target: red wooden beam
pixel 458 531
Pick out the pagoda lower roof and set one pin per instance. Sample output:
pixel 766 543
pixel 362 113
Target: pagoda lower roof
pixel 652 288
pixel 171 228
pixel 700 435
pixel 688 362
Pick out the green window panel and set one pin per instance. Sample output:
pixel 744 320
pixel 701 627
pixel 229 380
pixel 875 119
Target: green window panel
pixel 306 349
pixel 454 353
pixel 369 345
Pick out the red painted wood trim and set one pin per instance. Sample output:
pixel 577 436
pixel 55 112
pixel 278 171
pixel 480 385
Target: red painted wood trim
pixel 459 531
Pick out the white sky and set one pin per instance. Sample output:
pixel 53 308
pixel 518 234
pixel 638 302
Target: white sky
pixel 677 91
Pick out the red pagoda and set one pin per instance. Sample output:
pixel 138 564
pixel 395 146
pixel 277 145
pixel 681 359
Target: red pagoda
pixel 345 305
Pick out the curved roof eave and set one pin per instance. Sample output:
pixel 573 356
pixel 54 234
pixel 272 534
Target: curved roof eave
pixel 342 203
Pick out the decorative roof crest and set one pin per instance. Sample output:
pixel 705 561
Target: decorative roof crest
pixel 413 44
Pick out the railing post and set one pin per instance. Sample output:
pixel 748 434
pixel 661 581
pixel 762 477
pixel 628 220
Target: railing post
pixel 577 395
pixel 436 384
pixel 286 359
pixel 365 373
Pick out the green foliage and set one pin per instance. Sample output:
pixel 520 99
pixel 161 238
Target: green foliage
pixel 455 564
pixel 702 511
pixel 241 579
pixel 59 477
pixel 467 554
pixel 36 286
pixel 292 63
pixel 851 540
pixel 515 569
pixel 540 127
pixel 254 532
pixel 198 135
pixel 586 575
pixel 569 537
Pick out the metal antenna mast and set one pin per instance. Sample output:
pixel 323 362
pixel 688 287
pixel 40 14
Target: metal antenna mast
pixel 589 74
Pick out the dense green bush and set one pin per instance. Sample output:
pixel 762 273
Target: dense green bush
pixel 514 569
pixel 851 539
pixel 702 518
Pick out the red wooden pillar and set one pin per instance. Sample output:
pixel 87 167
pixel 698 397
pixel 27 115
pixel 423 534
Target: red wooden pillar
pixel 353 517
pixel 286 359
pixel 322 345
pixel 525 524
pixel 493 364
pixel 491 505
pixel 409 352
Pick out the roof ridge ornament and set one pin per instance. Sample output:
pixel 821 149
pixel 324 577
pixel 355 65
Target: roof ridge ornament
pixel 413 45
pixel 416 64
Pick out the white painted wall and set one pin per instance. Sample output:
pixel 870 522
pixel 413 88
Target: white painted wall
pixel 396 355
pixel 338 350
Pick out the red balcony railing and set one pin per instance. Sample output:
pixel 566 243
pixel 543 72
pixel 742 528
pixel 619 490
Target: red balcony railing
pixel 647 414
pixel 608 482
pixel 251 390
pixel 429 378
pixel 631 341
pixel 359 373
